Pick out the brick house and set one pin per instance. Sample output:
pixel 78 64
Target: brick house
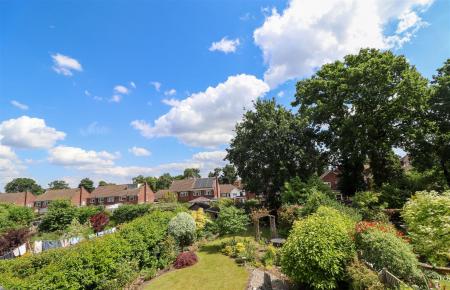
pixel 18 198
pixel 113 195
pixel 77 196
pixel 331 178
pixel 231 191
pixel 189 189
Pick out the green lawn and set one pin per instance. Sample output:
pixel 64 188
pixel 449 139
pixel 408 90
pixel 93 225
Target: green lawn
pixel 212 271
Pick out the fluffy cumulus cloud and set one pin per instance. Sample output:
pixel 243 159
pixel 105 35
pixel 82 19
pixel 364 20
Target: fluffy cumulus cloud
pixel 10 165
pixel 309 33
pixel 119 89
pixel 102 164
pixel 27 132
pixel 139 151
pixel 156 85
pixel 19 105
pixel 207 118
pixel 65 65
pixel 225 45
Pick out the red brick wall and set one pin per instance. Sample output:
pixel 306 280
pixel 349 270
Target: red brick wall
pixel 332 178
pixel 29 199
pixel 146 195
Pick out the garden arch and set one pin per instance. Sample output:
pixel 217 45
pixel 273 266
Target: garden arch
pixel 256 215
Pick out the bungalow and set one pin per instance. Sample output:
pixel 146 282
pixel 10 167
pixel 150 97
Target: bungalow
pixel 189 189
pixel 231 191
pixel 77 196
pixel 18 198
pixel 113 195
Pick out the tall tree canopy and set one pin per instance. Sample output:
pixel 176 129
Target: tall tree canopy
pixel 191 173
pixel 23 184
pixel 164 181
pixel 150 180
pixel 87 184
pixel 430 143
pixel 361 108
pixel 226 175
pixel 271 146
pixel 58 184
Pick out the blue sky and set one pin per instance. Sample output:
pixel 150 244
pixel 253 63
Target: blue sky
pixel 112 89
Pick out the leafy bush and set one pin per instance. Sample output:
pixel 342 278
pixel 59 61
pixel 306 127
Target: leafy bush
pixel 362 278
pixel 99 221
pixel 76 229
pixel 318 249
pixel 168 251
pixel 317 199
pixel 199 218
pixel 14 216
pixel 108 262
pixel 381 247
pixel 169 197
pixel 270 257
pixel 287 214
pixel 182 228
pixel 231 220
pixel 13 238
pixel 427 217
pixel 185 259
pixel 59 215
pixel 86 212
pixel 368 203
pixel 129 212
pixel 297 192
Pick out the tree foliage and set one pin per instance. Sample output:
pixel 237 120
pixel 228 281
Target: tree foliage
pixel 59 215
pixel 272 146
pixel 87 183
pixel 182 227
pixel 231 220
pixel 361 108
pixel 58 184
pixel 22 185
pixel 297 192
pixel 191 173
pixel 13 216
pixel 226 175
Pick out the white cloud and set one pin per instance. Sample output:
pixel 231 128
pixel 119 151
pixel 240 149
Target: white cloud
pixel 97 98
pixel 65 65
pixel 87 93
pixel 309 33
pixel 280 94
pixel 225 45
pixel 10 165
pixel 171 92
pixel 19 105
pixel 139 151
pixel 133 85
pixel 27 132
pixel 207 118
pixel 94 129
pixel 156 85
pixel 101 164
pixel 6 152
pixel 116 99
pixel 119 89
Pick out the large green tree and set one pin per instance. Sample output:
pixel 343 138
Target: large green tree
pixel 150 180
pixel 362 107
pixel 191 173
pixel 430 143
pixel 87 183
pixel 272 146
pixel 164 181
pixel 23 184
pixel 58 184
pixel 229 174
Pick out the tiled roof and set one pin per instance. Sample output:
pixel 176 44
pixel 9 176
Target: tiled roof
pixel 54 194
pixel 16 198
pixel 115 190
pixel 204 182
pixel 192 183
pixel 200 199
pixel 226 188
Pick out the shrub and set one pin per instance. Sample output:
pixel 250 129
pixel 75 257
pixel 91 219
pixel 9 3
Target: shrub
pixel 368 203
pixel 362 278
pixel 318 249
pixel 287 214
pixel 182 228
pixel 129 212
pixel 427 218
pixel 185 259
pixel 270 257
pixel 13 238
pixel 297 192
pixel 168 251
pixel 108 262
pixel 231 220
pixel 99 221
pixel 59 215
pixel 169 197
pixel 76 229
pixel 200 218
pixel 86 212
pixel 14 216
pixel 384 249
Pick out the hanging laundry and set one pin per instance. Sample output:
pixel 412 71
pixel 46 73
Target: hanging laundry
pixel 47 245
pixel 16 252
pixel 37 247
pixel 64 243
pixel 74 240
pixel 22 249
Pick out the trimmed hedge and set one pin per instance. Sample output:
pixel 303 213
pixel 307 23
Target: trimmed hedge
pixel 109 262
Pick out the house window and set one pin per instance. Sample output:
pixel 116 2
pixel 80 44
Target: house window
pixel 100 199
pixel 203 192
pixel 327 183
pixel 37 204
pixel 209 192
pixel 123 198
pixel 110 199
pixel 132 197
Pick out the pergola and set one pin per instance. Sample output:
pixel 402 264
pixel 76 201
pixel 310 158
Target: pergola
pixel 256 215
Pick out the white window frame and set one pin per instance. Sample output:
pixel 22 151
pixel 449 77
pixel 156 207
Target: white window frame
pixel 110 199
pixel 123 198
pixel 183 194
pixel 37 204
pixel 132 198
pixel 101 200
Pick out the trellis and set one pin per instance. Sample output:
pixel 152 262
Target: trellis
pixel 256 215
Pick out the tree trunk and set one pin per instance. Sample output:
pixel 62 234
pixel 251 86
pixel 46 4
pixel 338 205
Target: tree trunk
pixel 446 172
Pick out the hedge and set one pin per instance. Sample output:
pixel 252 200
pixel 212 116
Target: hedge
pixel 109 262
